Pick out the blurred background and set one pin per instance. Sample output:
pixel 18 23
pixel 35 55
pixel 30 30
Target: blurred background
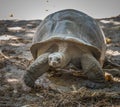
pixel 39 9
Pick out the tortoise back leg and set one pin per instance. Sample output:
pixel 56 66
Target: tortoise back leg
pixel 36 69
pixel 92 68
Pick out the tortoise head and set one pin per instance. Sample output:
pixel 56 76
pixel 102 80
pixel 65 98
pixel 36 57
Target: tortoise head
pixel 56 60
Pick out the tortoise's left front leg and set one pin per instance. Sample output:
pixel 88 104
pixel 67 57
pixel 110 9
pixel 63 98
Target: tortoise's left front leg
pixel 36 69
pixel 92 68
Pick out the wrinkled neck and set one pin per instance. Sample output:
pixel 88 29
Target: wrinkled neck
pixel 64 50
pixel 63 47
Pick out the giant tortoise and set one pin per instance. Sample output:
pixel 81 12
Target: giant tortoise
pixel 64 37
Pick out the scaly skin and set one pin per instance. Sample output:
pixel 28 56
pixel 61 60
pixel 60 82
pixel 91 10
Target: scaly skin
pixel 92 68
pixel 36 69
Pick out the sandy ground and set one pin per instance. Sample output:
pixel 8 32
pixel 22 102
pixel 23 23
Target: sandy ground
pixel 15 57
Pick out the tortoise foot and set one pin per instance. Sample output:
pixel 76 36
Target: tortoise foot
pixel 96 76
pixel 28 81
pixel 94 85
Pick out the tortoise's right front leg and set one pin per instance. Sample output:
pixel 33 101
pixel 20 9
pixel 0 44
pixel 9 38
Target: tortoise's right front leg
pixel 36 69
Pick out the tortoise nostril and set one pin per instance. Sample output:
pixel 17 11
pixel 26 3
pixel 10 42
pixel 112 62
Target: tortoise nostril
pixel 54 63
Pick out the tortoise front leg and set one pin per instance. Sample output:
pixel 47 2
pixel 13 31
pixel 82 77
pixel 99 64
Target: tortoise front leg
pixel 92 68
pixel 36 69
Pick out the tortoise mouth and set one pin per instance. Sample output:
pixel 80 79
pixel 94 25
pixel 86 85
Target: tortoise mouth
pixel 54 65
pixel 61 38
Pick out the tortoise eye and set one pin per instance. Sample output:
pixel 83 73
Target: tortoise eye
pixel 50 58
pixel 58 59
